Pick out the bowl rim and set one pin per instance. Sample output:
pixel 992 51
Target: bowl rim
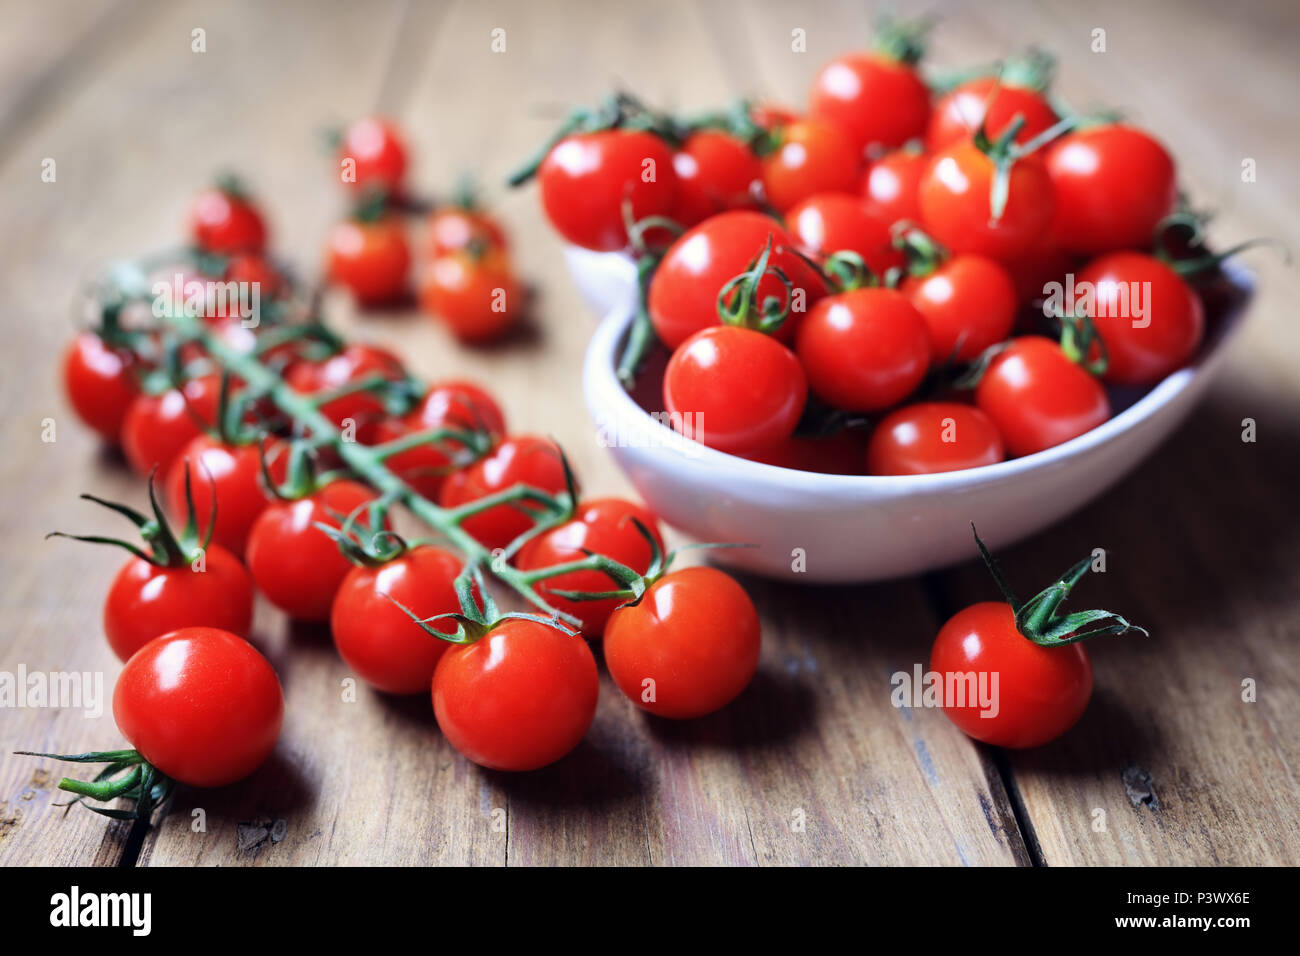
pixel 599 373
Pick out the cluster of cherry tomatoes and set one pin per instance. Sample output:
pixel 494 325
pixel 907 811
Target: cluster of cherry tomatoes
pixel 860 288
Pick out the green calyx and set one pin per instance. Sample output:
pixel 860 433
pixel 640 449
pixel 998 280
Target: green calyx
pixel 126 774
pixel 738 299
pixel 1004 152
pixel 166 549
pixel 923 252
pixel 901 40
pixel 1038 619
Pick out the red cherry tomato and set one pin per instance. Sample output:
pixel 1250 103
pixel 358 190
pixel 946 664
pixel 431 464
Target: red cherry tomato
pixel 226 223
pixel 864 350
pixel 956 210
pixel 688 647
pixel 959 113
pixel 201 705
pixel 837 222
pixel 459 404
pixel 715 172
pixel 254 270
pixel 813 157
pixel 1113 185
pixel 769 116
pixel 1141 349
pixel 520 460
pixel 1038 398
pixel 1032 272
pixel 294 563
pixel 476 295
pixel 158 427
pixel 600 526
pixel 458 229
pixel 493 708
pixel 377 155
pixel 877 100
pixel 371 259
pixel 1041 691
pixel 930 437
pixel 233 474
pixel 376 638
pixel 586 179
pixel 892 184
pixel 968 303
pixel 146 600
pixel 354 363
pixel 99 384
pixel 683 296
pixel 735 389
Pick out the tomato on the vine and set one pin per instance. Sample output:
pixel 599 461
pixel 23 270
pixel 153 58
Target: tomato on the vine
pixel 715 172
pixel 956 208
pixel 969 303
pixel 201 705
pixel 688 647
pixel 370 258
pixel 811 157
pixel 879 101
pixel 840 222
pixel 1113 184
pixel 99 384
pixel 683 295
pixel 1037 397
pixel 225 222
pixel 519 460
pixel 599 526
pixel 460 228
pixel 475 293
pixel 376 638
pixel 587 178
pixel 158 427
pixel 1144 348
pixel 372 154
pixel 892 186
pixel 493 708
pixel 864 350
pixel 354 363
pixel 736 389
pixel 930 437
pixel 231 473
pixel 294 563
pixel 459 404
pixel 993 103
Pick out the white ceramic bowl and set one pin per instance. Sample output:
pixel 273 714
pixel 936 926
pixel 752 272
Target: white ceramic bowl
pixel 853 528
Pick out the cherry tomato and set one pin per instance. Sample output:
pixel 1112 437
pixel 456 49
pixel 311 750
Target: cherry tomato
pixel 225 222
pixel 586 179
pixel 146 600
pixel 233 473
pixel 1038 398
pixel 688 647
pixel 683 296
pixel 369 258
pixel 737 390
pixel 955 203
pixel 254 270
pixel 769 115
pixel 354 363
pixel 158 427
pixel 930 437
pixel 297 565
pixel 201 705
pixel 600 526
pixel 877 100
pixel 968 303
pixel 864 350
pixel 494 706
pixel 1031 273
pixel 959 113
pixel 1041 692
pixel 476 295
pixel 715 172
pixel 458 229
pixel 376 638
pixel 892 185
pixel 1113 185
pixel 99 384
pixel 837 222
pixel 377 152
pixel 1142 349
pixel 837 454
pixel 520 460
pixel 812 157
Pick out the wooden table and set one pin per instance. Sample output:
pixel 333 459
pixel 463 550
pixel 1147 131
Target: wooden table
pixel 1169 765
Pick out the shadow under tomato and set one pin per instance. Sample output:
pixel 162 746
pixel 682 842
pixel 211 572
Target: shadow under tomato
pixel 276 789
pixel 772 709
pixel 602 773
